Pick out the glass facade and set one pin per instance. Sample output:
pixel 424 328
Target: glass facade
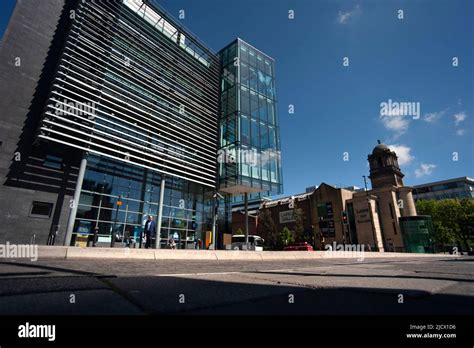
pixel 250 157
pixel 187 212
pixel 417 232
pixel 453 189
pixel 139 96
pixel 143 100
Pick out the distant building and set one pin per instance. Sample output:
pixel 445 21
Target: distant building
pixel 380 218
pixel 119 112
pixel 376 212
pixel 311 189
pixel 447 189
pixel 354 188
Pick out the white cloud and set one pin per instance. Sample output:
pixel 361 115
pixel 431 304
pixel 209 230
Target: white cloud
pixel 459 117
pixel 460 131
pixel 434 116
pixel 403 153
pixel 343 17
pixel 398 124
pixel 424 170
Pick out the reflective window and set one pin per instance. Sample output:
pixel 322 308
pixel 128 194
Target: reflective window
pixel 244 130
pixel 244 57
pixel 255 134
pixel 252 58
pixel 244 74
pixel 244 101
pixel 263 136
pixel 262 106
pixel 253 104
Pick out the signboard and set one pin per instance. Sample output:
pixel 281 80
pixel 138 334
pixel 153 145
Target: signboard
pixel 287 216
pixel 84 227
pixel 362 216
pixel 104 239
pixel 331 229
pixel 329 211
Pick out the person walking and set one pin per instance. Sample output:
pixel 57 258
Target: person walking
pixel 150 231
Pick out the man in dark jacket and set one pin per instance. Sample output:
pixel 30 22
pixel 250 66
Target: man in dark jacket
pixel 150 231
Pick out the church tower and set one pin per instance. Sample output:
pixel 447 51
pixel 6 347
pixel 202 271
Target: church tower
pixel 384 169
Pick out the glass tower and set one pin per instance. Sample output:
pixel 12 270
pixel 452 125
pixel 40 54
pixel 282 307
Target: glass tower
pixel 249 156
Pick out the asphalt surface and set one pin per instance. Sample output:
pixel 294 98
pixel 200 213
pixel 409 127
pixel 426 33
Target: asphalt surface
pixel 423 286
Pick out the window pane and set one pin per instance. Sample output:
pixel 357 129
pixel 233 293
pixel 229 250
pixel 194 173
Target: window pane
pixel 41 209
pixel 244 57
pixel 268 68
pixel 264 165
pixel 244 101
pixel 244 164
pixel 244 74
pixel 271 111
pixel 262 105
pixel 263 136
pixel 256 168
pixel 260 63
pixel 231 102
pixel 252 58
pixel 253 104
pixel 255 133
pixel 252 78
pixel 244 130
pixel 271 132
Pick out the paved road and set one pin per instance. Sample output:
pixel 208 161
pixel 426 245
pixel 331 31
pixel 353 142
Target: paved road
pixel 328 286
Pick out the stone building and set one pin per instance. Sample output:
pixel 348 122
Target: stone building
pixel 376 212
pixel 369 217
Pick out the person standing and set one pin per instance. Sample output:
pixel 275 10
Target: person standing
pixel 150 231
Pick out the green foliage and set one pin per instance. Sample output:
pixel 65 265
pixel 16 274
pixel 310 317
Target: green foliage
pixel 239 231
pixel 453 219
pixel 299 224
pixel 266 228
pixel 285 237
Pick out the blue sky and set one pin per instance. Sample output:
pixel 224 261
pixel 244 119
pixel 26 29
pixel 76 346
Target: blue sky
pixel 337 108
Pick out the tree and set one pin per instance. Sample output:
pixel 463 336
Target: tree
pixel 239 231
pixel 453 219
pixel 285 237
pixel 466 221
pixel 266 228
pixel 299 224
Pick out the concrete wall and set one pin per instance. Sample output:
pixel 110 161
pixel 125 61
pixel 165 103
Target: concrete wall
pixel 34 35
pixel 390 225
pixel 367 221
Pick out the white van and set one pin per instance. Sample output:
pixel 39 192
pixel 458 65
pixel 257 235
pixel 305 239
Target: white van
pixel 255 242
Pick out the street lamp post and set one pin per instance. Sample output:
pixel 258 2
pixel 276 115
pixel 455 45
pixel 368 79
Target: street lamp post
pixel 215 205
pixel 119 203
pixel 246 200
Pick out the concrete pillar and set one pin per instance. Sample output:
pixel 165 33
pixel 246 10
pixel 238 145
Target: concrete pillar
pixel 160 214
pixel 75 204
pixel 246 200
pixel 409 208
pixel 214 218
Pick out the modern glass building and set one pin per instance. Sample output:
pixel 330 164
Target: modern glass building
pixel 457 188
pixel 133 116
pixel 149 101
pixel 250 156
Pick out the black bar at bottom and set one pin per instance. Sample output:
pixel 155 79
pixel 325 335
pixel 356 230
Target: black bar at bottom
pixel 135 331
